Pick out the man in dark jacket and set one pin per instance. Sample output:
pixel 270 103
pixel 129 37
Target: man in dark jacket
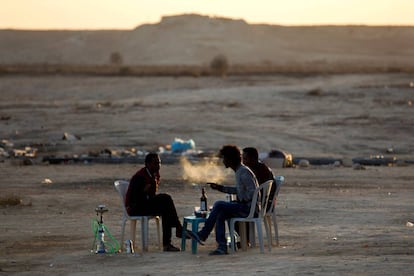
pixel 142 200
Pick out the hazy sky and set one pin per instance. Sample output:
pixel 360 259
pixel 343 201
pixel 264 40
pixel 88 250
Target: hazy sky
pixel 127 14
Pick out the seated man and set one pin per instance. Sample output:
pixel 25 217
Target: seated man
pixel 262 172
pixel 142 200
pixel 246 184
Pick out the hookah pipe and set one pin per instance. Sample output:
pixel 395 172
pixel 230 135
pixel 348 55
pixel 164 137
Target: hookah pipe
pixel 101 232
pixel 99 229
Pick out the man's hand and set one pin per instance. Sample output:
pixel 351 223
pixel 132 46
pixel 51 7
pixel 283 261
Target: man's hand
pixel 216 186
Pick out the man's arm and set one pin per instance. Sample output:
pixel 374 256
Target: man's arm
pixel 223 189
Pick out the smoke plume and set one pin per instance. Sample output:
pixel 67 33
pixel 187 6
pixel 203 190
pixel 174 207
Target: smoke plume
pixel 202 172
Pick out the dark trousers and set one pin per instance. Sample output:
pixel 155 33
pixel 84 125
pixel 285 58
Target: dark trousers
pixel 162 205
pixel 222 210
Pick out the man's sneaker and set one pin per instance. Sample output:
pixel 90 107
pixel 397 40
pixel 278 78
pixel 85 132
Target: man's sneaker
pixel 218 251
pixel 171 248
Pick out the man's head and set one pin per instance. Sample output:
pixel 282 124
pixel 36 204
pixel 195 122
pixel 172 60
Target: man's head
pixel 250 156
pixel 153 162
pixel 231 156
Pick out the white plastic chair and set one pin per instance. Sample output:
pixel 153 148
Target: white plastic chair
pixel 122 187
pixel 271 213
pixel 261 195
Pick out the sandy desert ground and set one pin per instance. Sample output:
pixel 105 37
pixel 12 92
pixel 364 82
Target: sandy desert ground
pixel 332 219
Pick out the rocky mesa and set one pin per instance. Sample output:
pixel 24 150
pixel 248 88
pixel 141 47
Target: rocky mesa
pixel 192 39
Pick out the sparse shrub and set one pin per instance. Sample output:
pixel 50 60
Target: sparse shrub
pixel 234 104
pixel 219 65
pixel 115 58
pixel 125 71
pixel 315 92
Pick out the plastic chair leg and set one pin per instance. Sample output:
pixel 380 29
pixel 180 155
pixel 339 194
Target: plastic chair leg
pixel 268 236
pixel 276 229
pixel 132 231
pixel 159 233
pixel 123 234
pixel 267 222
pixel 233 246
pixel 243 235
pixel 144 234
pixel 252 233
pixel 260 236
pixel 194 228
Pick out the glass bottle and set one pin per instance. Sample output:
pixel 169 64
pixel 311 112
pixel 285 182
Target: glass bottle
pixel 203 201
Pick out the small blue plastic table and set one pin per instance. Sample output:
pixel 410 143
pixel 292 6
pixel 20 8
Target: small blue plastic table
pixel 195 221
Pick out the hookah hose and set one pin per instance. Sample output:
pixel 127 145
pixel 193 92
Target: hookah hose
pixel 113 244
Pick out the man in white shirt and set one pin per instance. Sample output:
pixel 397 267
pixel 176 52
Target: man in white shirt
pixel 246 183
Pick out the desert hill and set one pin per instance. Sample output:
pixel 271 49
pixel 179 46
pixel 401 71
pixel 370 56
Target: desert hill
pixel 195 40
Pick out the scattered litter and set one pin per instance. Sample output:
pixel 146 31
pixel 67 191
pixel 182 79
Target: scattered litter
pixel 129 153
pixel 3 153
pixel 70 137
pixel 277 159
pixel 161 150
pixel 26 152
pixel 179 145
pixel 47 181
pixel 6 143
pixel 317 161
pixel 337 163
pixel 303 163
pixel 102 153
pixel 409 224
pixel 334 238
pixel 18 153
pixel 376 160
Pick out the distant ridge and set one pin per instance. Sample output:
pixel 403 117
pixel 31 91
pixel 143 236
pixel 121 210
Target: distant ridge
pixel 193 40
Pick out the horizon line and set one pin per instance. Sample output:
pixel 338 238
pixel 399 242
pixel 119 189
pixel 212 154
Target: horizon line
pixel 252 24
